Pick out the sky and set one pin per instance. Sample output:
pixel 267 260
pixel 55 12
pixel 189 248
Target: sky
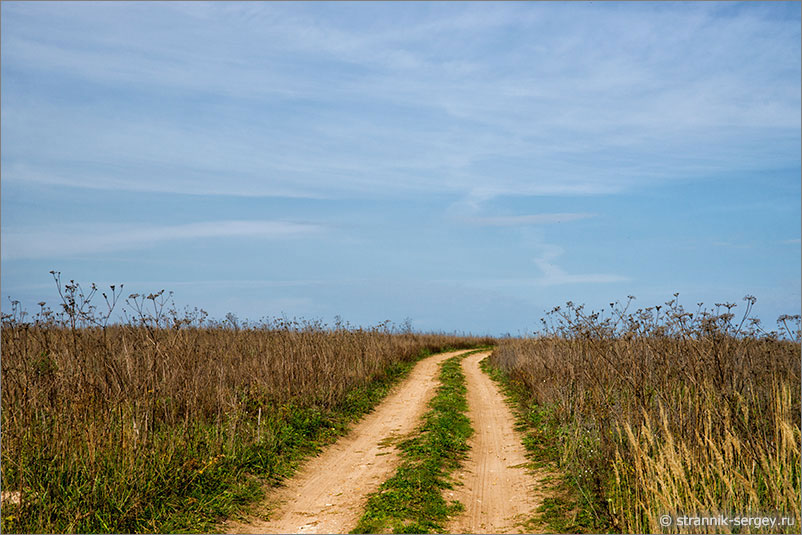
pixel 463 166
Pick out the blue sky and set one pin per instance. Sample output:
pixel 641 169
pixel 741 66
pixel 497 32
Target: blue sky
pixel 464 165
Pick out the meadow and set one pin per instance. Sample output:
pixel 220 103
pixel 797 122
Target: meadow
pixel 661 411
pixel 168 421
pixel 123 414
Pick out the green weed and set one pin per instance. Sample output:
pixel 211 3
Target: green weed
pixel 412 500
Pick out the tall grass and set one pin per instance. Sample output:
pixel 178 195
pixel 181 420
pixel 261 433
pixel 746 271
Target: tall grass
pixel 664 411
pixel 154 423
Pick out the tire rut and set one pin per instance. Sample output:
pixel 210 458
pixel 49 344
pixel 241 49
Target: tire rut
pixel 497 488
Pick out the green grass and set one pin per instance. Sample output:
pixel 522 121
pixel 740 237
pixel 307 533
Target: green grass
pixel 570 508
pixel 186 482
pixel 412 500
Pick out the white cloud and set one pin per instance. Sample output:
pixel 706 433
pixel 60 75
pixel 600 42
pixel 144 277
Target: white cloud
pixel 554 275
pixel 531 219
pixel 72 240
pixel 393 99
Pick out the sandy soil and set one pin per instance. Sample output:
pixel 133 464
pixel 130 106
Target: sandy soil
pixel 498 490
pixel 329 492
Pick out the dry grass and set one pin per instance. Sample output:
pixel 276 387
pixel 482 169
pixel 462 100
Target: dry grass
pixel 663 411
pixel 118 427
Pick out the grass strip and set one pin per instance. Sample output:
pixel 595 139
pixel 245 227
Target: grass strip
pixel 568 509
pixel 187 481
pixel 412 500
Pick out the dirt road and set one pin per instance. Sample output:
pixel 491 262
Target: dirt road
pixel 497 490
pixel 329 492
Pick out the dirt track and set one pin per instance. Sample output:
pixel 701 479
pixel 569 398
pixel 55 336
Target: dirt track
pixel 329 492
pixel 498 491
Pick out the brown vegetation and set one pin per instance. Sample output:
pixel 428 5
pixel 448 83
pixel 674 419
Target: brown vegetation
pixel 113 427
pixel 663 411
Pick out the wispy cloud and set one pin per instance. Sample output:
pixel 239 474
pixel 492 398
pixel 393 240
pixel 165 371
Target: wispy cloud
pixel 554 275
pixel 72 240
pixel 531 219
pixel 511 122
pixel 298 101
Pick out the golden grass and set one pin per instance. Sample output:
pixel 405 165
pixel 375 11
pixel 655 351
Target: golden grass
pixel 669 414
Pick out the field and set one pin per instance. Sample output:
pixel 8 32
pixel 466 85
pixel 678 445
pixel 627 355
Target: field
pixel 164 423
pixel 662 411
pixel 369 212
pixel 171 422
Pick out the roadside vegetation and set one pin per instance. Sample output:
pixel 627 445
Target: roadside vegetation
pixel 565 509
pixel 167 421
pixel 659 411
pixel 412 500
